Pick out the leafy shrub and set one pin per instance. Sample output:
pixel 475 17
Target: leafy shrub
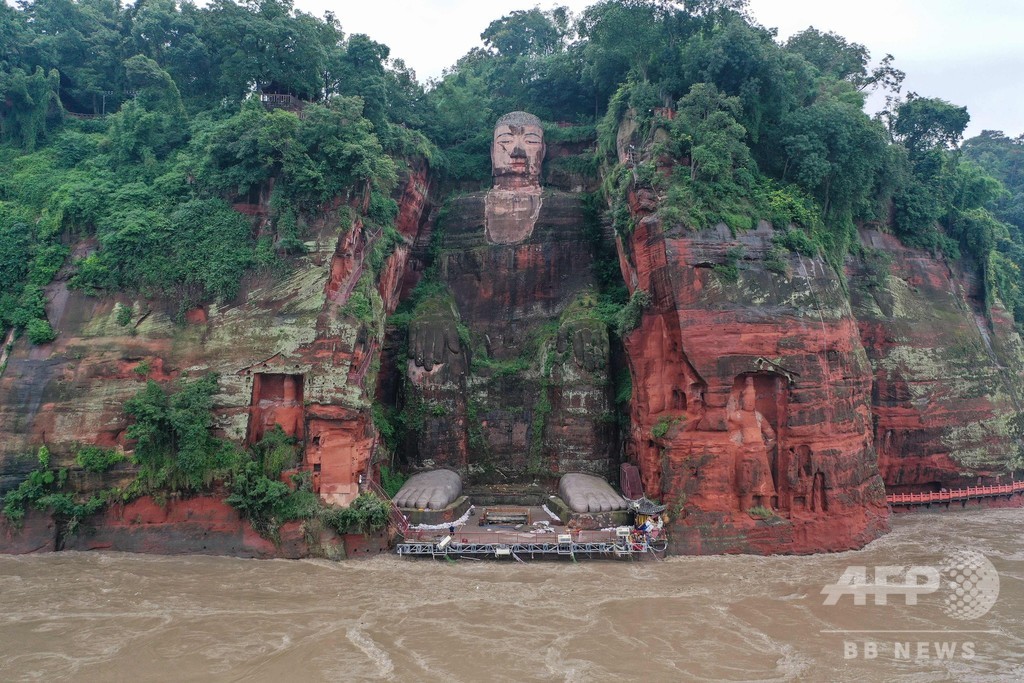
pixel 796 240
pixel 774 261
pixel 360 304
pixel 39 331
pixel 72 147
pixel 174 448
pixel 661 427
pixel 263 501
pixel 276 452
pixel 392 481
pixel 383 247
pixel 38 482
pixel 632 312
pixel 729 271
pixel 200 250
pixel 366 514
pixel 257 492
pixel 96 459
pixel 383 421
pixel 877 264
pixel 788 205
pixel 47 262
pixel 42 489
pixel 329 151
pixel 1006 280
pixel 123 317
pixel 70 511
pixel 383 209
pixel 761 512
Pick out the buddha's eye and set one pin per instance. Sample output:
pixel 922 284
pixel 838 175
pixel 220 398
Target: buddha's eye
pixel 532 139
pixel 504 139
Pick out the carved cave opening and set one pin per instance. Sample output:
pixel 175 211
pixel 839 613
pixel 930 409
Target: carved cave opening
pixel 277 399
pixel 757 417
pixel 771 392
pixel 798 483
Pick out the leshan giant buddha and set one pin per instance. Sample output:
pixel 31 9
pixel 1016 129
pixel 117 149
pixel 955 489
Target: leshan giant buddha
pixel 508 369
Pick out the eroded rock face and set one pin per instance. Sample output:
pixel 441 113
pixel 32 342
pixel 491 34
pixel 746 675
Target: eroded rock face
pixel 751 415
pixel 290 352
pixel 948 377
pixel 763 405
pixel 200 525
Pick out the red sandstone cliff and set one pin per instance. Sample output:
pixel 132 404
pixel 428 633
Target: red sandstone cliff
pixel 289 351
pixel 759 390
pixel 948 376
pixel 804 445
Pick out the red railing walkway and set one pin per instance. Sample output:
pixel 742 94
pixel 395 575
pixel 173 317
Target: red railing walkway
pixel 955 494
pixel 395 515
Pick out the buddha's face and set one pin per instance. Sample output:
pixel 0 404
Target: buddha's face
pixel 517 151
pixel 749 396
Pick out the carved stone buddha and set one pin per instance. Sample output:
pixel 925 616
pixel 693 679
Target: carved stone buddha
pixel 513 204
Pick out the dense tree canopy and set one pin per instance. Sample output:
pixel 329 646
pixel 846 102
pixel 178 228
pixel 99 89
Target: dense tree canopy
pixel 138 124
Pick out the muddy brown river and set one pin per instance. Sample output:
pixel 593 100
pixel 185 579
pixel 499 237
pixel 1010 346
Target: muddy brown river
pixel 110 616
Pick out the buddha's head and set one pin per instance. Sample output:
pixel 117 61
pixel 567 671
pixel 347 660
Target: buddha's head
pixel 749 395
pixel 517 149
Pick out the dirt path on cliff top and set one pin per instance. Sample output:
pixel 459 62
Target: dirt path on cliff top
pixel 104 617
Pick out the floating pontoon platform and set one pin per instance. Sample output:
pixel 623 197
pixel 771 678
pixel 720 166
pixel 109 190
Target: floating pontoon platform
pixel 622 542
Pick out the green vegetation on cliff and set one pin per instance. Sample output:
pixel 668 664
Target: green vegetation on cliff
pixel 1003 157
pixel 43 488
pixel 133 131
pixel 174 132
pixel 747 127
pixel 173 445
pixel 129 134
pixel 176 454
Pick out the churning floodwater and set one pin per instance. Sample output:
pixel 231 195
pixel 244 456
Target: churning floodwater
pixel 111 616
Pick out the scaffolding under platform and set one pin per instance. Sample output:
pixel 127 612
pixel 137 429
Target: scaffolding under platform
pixel 620 543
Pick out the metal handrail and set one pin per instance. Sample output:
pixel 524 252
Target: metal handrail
pixel 394 514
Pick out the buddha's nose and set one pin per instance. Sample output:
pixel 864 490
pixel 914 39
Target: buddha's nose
pixel 518 151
